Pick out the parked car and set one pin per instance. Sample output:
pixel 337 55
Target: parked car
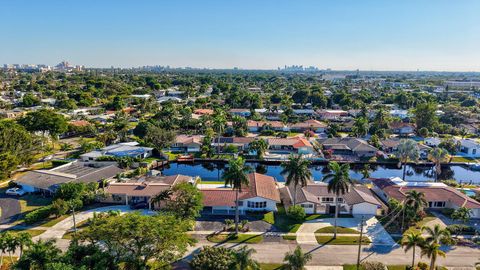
pixel 15 191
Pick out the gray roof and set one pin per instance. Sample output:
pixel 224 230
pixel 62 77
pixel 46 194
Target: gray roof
pixel 353 144
pixel 72 172
pixel 314 192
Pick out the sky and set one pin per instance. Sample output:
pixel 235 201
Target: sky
pixel 441 35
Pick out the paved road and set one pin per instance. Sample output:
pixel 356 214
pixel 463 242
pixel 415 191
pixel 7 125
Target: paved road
pixel 10 208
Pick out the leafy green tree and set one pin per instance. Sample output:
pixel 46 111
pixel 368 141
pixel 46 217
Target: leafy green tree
pixel 236 176
pixel 159 138
pixel 450 145
pixel 297 260
pixel 425 116
pixel 44 121
pixel 407 150
pixel 339 184
pixel 411 241
pixel 59 207
pixel 437 156
pixel 136 239
pixel 30 100
pixel 39 256
pixel 185 201
pixel 297 173
pixel 213 258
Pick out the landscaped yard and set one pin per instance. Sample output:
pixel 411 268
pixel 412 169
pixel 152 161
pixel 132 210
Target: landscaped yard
pixel 271 266
pixel 32 232
pixel 232 238
pixel 341 240
pixel 463 159
pixel 340 230
pixel 390 267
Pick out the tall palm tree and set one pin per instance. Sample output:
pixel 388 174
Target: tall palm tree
pixel 411 241
pixel 219 122
pixel 259 146
pixel 297 259
pixel 297 172
pixel 4 238
pixel 338 183
pixel 24 240
pixel 236 176
pixel 436 235
pixel 416 200
pixel 432 251
pixel 437 156
pixel 463 214
pixel 407 150
pixel 243 259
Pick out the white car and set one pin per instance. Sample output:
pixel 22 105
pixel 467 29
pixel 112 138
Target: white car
pixel 15 191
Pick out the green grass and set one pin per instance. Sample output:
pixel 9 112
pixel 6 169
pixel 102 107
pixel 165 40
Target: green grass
pixel 53 221
pixel 462 159
pixel 341 240
pixel 172 156
pixel 30 202
pixel 231 238
pixel 32 232
pixel 269 218
pixel 289 237
pixel 340 230
pixel 80 226
pixel 271 266
pixel 397 267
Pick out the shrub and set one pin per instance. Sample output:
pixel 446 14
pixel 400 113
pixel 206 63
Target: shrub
pixel 39 214
pixel 59 162
pixel 422 266
pixel 452 183
pixel 215 258
pixel 373 266
pixel 461 229
pixel 296 212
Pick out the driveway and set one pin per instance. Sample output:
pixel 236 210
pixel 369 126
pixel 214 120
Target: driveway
pixel 9 209
pixel 217 222
pixel 373 229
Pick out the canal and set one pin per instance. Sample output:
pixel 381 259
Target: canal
pixel 210 171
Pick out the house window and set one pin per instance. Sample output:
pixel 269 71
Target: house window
pixel 430 204
pixel 240 203
pixel 256 204
pixel 307 205
pixel 327 199
pixel 339 200
pixel 439 204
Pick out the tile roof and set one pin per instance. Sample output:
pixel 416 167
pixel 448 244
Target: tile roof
pixel 187 139
pixel 295 142
pixel 309 123
pixel 275 124
pixel 353 144
pixel 260 185
pixel 150 186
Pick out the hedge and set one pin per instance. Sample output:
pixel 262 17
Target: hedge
pixel 39 214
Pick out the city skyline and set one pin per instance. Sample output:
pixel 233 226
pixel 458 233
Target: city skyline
pixel 371 35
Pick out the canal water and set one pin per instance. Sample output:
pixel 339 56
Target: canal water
pixel 210 171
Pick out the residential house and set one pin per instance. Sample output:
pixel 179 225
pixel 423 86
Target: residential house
pixel 142 190
pixel 349 147
pixel 241 143
pixel 203 111
pixel 47 181
pixel 402 128
pixel 272 115
pixel 315 199
pixel 390 146
pixel 304 112
pixel 128 149
pixel 332 114
pixel 188 143
pixel 437 195
pixel 293 145
pixel 257 126
pixel 402 114
pixel 311 124
pixel 261 194
pixel 432 141
pixel 469 148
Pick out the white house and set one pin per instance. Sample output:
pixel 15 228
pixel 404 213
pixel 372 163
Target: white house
pixel 469 148
pixel 128 149
pixel 261 194
pixel 315 199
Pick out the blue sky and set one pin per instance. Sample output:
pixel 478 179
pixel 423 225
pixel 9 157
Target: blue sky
pixel 337 34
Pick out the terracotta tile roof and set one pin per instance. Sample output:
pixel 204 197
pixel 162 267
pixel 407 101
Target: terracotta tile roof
pixel 203 111
pixel 80 123
pixel 186 139
pixel 150 186
pixel 260 185
pixel 295 142
pixel 432 192
pixel 275 124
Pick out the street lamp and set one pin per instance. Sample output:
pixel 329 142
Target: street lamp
pixel 362 221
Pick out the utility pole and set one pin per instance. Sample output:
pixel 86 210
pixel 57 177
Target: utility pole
pixel 360 244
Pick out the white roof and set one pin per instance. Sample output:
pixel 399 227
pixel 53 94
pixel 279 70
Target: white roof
pixel 469 143
pixel 398 181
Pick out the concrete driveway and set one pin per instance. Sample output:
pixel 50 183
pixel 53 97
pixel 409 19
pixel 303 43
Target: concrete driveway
pixel 9 209
pixel 373 229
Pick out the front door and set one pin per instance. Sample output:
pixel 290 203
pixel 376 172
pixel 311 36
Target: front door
pixel 331 209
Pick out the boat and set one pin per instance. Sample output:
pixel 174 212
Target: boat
pixel 185 158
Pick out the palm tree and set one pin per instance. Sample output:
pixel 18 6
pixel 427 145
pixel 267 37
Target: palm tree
pixel 296 260
pixel 436 234
pixel 24 240
pixel 338 183
pixel 236 176
pixel 432 251
pixel 416 200
pixel 411 241
pixel 12 245
pixel 219 122
pixel 4 238
pixel 462 214
pixel 259 146
pixel 243 258
pixel 406 150
pixel 39 255
pixel 297 172
pixel 365 171
pixel 360 127
pixel 437 156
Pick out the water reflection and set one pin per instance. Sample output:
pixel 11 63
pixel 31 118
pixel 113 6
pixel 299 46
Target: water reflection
pixel 213 171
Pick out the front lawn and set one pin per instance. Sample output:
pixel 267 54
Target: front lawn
pixel 32 232
pixel 340 230
pixel 341 240
pixel 232 238
pixel 462 159
pixel 271 266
